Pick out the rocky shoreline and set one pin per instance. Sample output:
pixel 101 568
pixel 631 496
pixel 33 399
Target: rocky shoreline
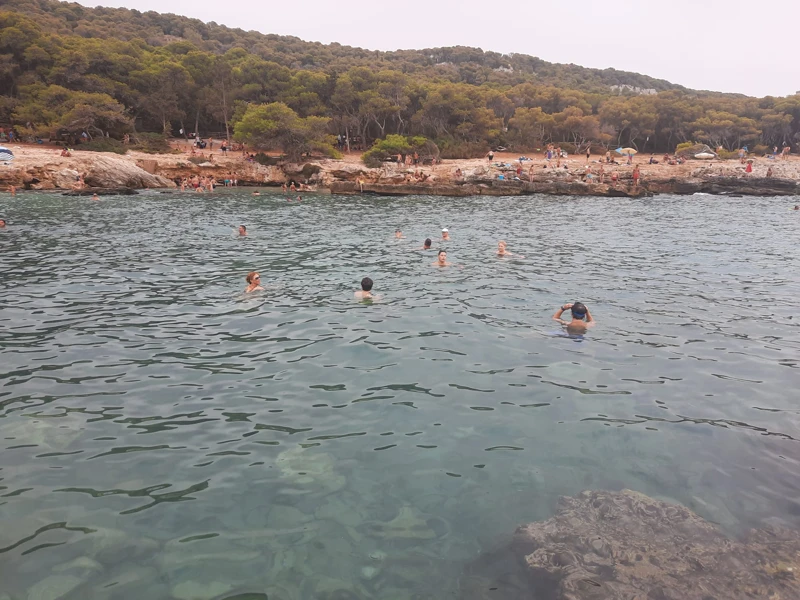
pixel 44 169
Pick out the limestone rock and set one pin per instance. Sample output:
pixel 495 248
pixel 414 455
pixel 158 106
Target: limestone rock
pixel 625 545
pixel 54 587
pixel 194 590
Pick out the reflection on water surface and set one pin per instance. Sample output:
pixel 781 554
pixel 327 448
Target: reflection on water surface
pixel 164 436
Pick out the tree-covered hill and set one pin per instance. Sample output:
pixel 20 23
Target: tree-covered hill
pixel 67 69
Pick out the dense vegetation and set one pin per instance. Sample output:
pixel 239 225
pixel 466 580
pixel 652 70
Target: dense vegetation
pixel 69 69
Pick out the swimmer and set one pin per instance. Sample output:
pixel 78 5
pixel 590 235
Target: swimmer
pixel 256 193
pixel 366 289
pixel 441 259
pixel 426 245
pixel 242 230
pixel 299 198
pixel 579 313
pixel 253 280
pixel 399 235
pixel 796 207
pixel 501 250
pixel 2 223
pixel 12 190
pixel 445 234
pixel 95 197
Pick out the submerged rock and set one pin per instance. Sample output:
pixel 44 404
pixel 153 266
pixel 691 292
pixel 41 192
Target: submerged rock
pixel 54 587
pixel 625 545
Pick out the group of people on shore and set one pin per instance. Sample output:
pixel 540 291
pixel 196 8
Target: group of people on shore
pixel 581 319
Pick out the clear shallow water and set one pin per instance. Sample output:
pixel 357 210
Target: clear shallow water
pixel 164 436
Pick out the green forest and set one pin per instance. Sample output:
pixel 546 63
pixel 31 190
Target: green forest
pixel 66 69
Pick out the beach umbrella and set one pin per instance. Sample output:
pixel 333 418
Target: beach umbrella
pixel 625 151
pixel 6 155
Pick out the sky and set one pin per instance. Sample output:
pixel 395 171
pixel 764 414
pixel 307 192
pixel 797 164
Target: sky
pixel 721 45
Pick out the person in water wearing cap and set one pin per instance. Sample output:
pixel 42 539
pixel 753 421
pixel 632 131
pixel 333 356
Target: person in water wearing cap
pixel 445 234
pixel 365 292
pixel 253 280
pixel 579 312
pixel 501 250
pixel 242 230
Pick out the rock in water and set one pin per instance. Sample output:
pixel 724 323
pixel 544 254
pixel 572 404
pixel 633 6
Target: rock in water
pixel 625 545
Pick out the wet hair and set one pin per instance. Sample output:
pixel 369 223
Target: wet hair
pixel 441 252
pixel 397 231
pixel 579 310
pixel 366 284
pixel 428 242
pixel 243 227
pixel 250 276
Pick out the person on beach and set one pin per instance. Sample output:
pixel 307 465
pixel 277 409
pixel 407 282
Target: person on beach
pixel 601 173
pixel 636 176
pixel 579 312
pixel 253 280
pixel 366 289
pixel 749 168
pixel 490 156
pixel 426 245
pixel 398 235
pixel 588 154
pixel 441 259
pixel 242 231
pixel 445 235
pixel 501 250
pixel 769 172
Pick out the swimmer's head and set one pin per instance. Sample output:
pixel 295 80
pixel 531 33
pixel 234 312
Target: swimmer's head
pixel 2 222
pixel 242 230
pixel 252 277
pixel 428 242
pixel 366 284
pixel 442 256
pixel 579 310
pixel 501 245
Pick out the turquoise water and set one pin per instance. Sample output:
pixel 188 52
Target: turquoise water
pixel 165 437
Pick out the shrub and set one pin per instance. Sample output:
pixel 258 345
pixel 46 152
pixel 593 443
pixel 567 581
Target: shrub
pixel 683 146
pixel 728 154
pixel 103 144
pixel 760 149
pixel 267 160
pixel 459 149
pixel 151 143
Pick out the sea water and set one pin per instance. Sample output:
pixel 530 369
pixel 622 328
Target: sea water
pixel 165 436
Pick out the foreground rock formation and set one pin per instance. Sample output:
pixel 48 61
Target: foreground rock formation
pixel 625 545
pixel 99 170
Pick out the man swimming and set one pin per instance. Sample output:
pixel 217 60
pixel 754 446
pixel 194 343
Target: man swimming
pixel 501 250
pixel 399 235
pixel 445 234
pixel 441 259
pixel 426 245
pixel 242 230
pixel 366 289
pixel 579 312
pixel 2 223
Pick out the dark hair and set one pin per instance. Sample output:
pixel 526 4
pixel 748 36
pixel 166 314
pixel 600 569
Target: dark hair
pixel 428 242
pixel 441 251
pixel 366 284
pixel 579 310
pixel 243 227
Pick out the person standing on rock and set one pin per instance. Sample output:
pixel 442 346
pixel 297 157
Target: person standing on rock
pixel 749 168
pixel 490 156
pixel 588 154
pixel 636 176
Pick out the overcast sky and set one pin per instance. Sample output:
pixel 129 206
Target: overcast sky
pixel 722 45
